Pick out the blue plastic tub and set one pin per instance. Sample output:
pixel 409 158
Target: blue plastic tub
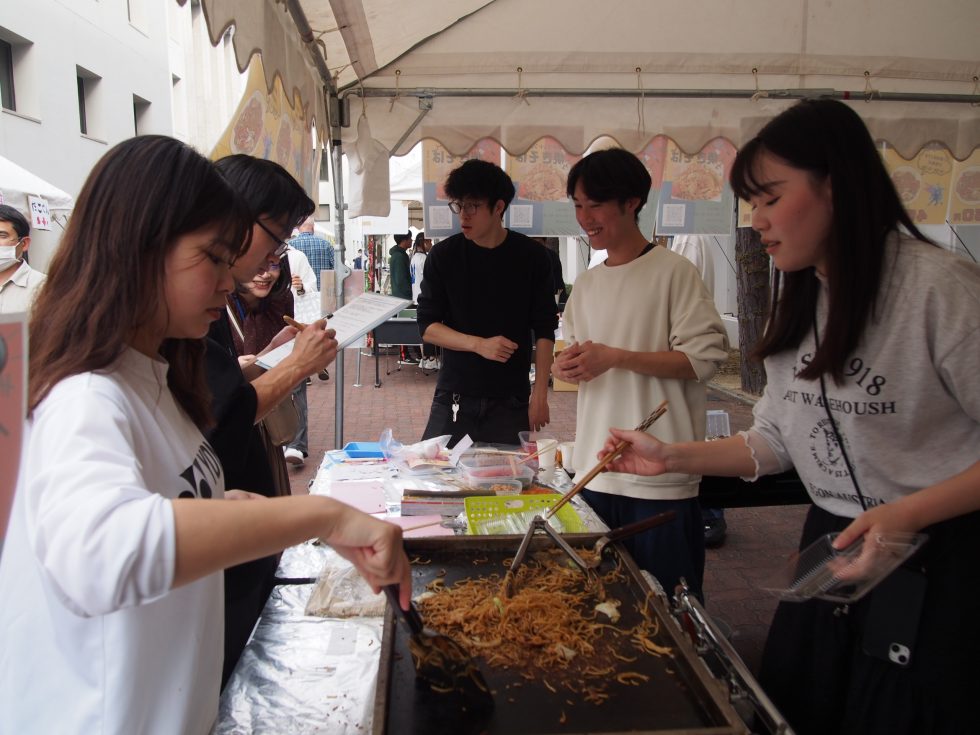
pixel 363 450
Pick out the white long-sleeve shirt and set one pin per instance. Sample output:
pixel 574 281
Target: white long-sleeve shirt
pixel 92 637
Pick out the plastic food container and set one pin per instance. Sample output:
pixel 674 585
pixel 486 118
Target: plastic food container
pixel 501 487
pixel 478 468
pixel 844 575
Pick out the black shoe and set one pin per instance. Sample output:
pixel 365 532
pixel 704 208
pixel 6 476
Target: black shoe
pixel 323 375
pixel 714 532
pixel 309 381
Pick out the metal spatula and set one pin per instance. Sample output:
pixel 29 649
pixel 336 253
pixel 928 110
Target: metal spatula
pixel 441 661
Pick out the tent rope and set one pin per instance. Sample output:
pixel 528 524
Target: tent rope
pixel 869 92
pixel 976 91
pixel 521 94
pixel 641 123
pixel 398 91
pixel 759 93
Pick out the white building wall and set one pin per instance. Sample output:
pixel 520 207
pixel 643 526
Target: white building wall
pixel 53 40
pixel 134 48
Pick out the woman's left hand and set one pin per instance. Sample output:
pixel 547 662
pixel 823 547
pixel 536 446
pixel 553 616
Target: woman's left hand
pixel 883 519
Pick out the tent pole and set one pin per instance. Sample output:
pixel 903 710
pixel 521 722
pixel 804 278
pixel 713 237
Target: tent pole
pixel 857 95
pixel 340 270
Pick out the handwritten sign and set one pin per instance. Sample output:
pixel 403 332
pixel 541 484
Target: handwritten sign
pixel 40 214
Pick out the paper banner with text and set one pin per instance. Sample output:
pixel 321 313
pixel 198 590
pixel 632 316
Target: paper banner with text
pixel 437 162
pixel 540 206
pixel 695 197
pixel 964 203
pixel 922 183
pixel 267 126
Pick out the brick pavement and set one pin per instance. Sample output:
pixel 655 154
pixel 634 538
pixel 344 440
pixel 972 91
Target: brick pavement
pixel 757 537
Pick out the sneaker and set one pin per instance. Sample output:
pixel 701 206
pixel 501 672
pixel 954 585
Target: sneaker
pixel 714 532
pixel 429 363
pixel 294 456
pixel 323 375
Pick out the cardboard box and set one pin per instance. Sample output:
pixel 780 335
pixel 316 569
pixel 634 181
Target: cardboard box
pixel 561 385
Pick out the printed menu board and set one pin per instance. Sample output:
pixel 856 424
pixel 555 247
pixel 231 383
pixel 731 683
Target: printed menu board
pixel 922 183
pixel 695 198
pixel 964 202
pixel 540 206
pixel 437 162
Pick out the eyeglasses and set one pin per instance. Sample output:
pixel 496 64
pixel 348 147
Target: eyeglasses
pixel 464 207
pixel 281 249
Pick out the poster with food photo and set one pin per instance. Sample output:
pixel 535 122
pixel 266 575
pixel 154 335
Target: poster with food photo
pixel 541 206
pixel 964 206
pixel 437 162
pixel 267 126
pixel 923 182
pixel 695 197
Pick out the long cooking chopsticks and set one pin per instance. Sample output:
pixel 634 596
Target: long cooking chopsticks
pixel 591 474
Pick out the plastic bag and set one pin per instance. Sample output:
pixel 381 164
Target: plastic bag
pixel 421 458
pixel 341 592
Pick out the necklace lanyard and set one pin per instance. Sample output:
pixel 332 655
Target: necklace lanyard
pixel 830 418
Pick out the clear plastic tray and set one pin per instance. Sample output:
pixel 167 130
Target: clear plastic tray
pixel 479 467
pixel 846 575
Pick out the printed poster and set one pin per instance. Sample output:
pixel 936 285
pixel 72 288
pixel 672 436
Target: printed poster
pixel 266 125
pixel 437 162
pixel 540 206
pixel 13 407
pixel 653 157
pixel 922 183
pixel 964 204
pixel 695 198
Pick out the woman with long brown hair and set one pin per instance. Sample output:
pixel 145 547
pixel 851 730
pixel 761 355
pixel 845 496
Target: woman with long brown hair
pixel 873 395
pixel 112 615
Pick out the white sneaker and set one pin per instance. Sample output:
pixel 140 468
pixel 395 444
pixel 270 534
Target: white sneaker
pixel 293 456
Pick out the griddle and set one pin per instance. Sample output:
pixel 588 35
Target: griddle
pixel 680 697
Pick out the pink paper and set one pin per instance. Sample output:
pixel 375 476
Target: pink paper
pixel 365 495
pixel 419 526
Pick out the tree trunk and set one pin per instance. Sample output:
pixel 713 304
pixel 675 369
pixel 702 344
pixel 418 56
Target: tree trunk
pixel 752 269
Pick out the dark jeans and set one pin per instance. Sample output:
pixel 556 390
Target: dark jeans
pixel 668 552
pixel 492 420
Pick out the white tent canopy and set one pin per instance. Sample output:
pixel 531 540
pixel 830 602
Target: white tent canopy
pixel 631 69
pixel 17 183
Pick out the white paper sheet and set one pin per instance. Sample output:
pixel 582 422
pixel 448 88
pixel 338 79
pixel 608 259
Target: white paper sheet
pixel 350 322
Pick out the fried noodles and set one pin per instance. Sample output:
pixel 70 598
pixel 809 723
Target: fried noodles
pixel 548 628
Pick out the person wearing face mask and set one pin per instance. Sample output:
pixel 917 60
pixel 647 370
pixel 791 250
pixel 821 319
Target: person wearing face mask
pixel 18 281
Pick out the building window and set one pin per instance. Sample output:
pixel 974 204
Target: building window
pixel 141 115
pixel 87 84
pixel 7 97
pixel 82 119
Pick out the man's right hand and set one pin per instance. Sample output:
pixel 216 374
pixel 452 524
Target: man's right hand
pixel 497 349
pixel 315 348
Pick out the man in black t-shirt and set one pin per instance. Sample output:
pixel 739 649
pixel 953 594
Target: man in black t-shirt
pixel 486 301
